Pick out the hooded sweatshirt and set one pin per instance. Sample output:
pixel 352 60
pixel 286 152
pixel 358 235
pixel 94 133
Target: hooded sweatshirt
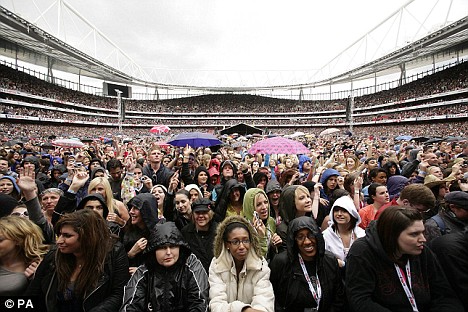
pixel 248 208
pixel 290 286
pixel 333 242
pixel 223 201
pixel 148 207
pixel 325 176
pixel 372 283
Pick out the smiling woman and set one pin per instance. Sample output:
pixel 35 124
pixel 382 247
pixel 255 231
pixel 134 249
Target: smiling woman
pixel 393 256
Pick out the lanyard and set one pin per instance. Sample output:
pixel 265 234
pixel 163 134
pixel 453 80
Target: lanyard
pixel 316 294
pixel 407 286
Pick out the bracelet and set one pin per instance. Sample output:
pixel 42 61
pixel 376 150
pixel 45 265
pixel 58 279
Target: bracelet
pixel 357 192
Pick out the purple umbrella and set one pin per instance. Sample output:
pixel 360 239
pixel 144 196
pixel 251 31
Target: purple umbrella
pixel 195 139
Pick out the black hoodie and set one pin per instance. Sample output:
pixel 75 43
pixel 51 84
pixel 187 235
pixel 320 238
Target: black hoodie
pixel 223 200
pixel 372 283
pixel 289 284
pixel 148 207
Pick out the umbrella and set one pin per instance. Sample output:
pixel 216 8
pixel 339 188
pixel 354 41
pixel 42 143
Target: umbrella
pixel 403 138
pixel 195 139
pixel 454 138
pixel 278 145
pixel 329 131
pixel 162 144
pixel 160 129
pixel 68 143
pixel 433 140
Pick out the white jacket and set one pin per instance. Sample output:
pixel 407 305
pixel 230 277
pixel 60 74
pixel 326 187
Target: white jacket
pixel 333 242
pixel 253 288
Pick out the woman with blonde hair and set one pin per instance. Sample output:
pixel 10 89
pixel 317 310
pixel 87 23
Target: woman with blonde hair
pixel 118 213
pixel 21 252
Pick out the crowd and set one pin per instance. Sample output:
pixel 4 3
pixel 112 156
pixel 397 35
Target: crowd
pixel 127 225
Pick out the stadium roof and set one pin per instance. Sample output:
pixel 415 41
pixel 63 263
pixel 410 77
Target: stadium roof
pixel 23 40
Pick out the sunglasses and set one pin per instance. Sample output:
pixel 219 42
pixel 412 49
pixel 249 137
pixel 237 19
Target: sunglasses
pixel 20 214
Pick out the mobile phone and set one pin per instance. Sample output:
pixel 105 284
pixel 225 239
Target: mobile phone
pixel 256 216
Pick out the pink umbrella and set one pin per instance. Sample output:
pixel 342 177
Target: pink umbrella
pixel 68 143
pixel 160 129
pixel 278 145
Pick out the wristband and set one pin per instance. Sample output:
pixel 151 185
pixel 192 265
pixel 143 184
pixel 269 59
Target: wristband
pixel 71 191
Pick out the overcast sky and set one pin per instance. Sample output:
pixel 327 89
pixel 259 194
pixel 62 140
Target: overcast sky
pixel 218 35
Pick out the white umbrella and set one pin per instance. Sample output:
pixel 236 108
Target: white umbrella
pixel 329 131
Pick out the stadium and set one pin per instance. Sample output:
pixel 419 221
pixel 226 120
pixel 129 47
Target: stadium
pixel 425 95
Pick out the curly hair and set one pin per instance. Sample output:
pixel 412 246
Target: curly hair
pixel 27 235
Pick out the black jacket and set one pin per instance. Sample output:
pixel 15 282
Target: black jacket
pixel 106 296
pixel 289 284
pixel 201 243
pixel 180 287
pixel 223 199
pixel 162 176
pixel 372 283
pixel 452 252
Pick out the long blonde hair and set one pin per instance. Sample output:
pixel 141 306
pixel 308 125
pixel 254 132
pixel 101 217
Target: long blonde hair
pixel 27 235
pixel 108 191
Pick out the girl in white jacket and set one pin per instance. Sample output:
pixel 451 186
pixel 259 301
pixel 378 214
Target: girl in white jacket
pixel 239 278
pixel 342 229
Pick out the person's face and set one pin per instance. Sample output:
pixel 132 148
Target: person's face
pixel 381 178
pixel 6 186
pixel 392 170
pixel 94 165
pixel 135 216
pixel 436 171
pixel 138 174
pixel 49 201
pixel 261 206
pixel 443 189
pixel 432 159
pixel 116 173
pixel 332 182
pixel 3 166
pixel 159 194
pixel 303 202
pixel 350 163
pixel 167 256
pixel 193 195
pixel 155 156
pixel 202 219
pixel 8 246
pixel 100 189
pixel 227 171
pixel 272 163
pixel 95 205
pixel 307 244
pixel 306 166
pixel 288 163
pixel 20 212
pixel 86 161
pixel 235 195
pixel 166 161
pixel 239 252
pixel 182 203
pixel 274 197
pixel 457 149
pixel 411 240
pixel 202 178
pixel 263 182
pixel 240 176
pixel 372 164
pixel 341 216
pixel 381 195
pixel 214 179
pixel 255 165
pixel 68 240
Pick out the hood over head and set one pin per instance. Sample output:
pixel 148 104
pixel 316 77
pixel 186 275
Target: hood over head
pixel 297 225
pixel 148 206
pixel 13 180
pixel 233 165
pixel 198 171
pixel 395 184
pixel 258 176
pixel 232 184
pixel 93 172
pixel 163 234
pixel 346 203
pixel 190 187
pixel 327 174
pixel 303 159
pixel 287 202
pixel 7 204
pixel 95 196
pixel 272 185
pixel 248 206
